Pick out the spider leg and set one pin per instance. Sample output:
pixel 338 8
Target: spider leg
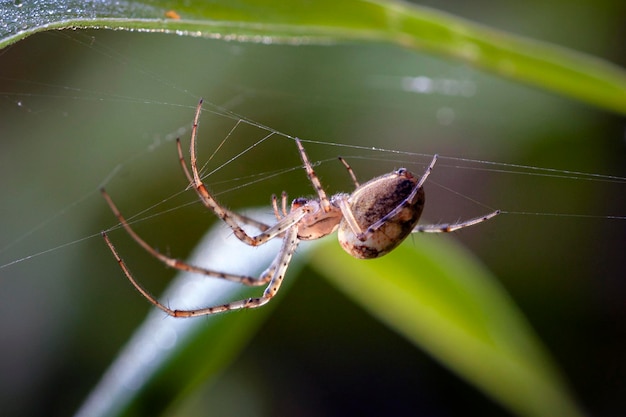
pixel 275 207
pixel 325 203
pixel 183 163
pixel 433 228
pixel 171 262
pixel 376 225
pixel 237 217
pixel 274 275
pixel 132 280
pixel 451 227
pixel 228 217
pixel 350 171
pixel 283 204
pixel 283 212
pixel 348 214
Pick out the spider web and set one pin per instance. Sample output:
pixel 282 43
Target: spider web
pixel 117 127
pixel 28 96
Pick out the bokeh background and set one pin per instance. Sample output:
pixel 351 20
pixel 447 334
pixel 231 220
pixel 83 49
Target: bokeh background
pixel 79 108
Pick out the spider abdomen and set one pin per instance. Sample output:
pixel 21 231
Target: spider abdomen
pixel 387 203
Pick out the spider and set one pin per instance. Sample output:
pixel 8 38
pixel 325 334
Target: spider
pixel 370 222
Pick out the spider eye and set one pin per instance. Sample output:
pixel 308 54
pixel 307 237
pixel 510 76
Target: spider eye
pixel 299 202
pixel 403 172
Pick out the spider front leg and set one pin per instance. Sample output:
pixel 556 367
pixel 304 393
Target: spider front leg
pixel 240 219
pixel 232 219
pixel 324 202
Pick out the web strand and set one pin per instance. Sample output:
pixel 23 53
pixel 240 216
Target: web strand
pixel 225 110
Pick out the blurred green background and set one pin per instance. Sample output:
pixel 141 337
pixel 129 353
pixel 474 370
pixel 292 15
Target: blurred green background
pixel 76 105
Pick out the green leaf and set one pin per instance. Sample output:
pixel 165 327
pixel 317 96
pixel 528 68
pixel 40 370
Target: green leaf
pixel 436 295
pixel 573 74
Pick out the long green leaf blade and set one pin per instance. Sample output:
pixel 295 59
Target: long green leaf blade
pixel 421 29
pixel 434 293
